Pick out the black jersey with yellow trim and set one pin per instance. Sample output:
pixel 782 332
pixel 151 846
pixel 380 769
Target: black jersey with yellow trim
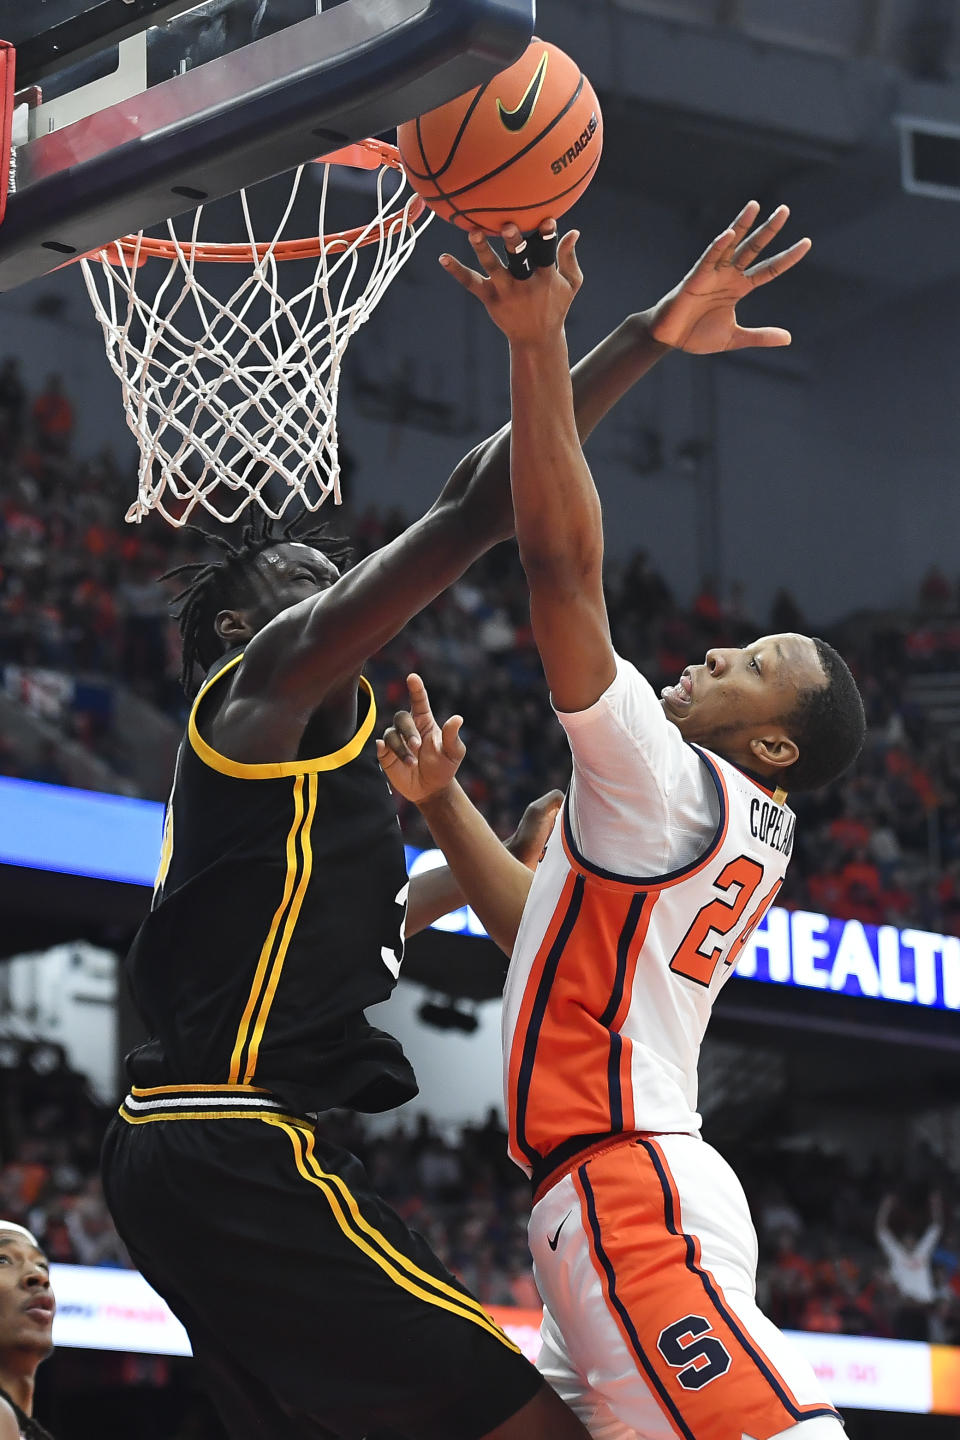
pixel 276 921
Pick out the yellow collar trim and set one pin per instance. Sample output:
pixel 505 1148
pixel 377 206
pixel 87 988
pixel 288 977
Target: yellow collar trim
pixel 279 769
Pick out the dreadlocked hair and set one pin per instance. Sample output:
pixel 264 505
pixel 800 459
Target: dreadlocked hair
pixel 226 583
pixel 30 1429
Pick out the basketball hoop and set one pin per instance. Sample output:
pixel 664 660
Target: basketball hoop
pixel 234 401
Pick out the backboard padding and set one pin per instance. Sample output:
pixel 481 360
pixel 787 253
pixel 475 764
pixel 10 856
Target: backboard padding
pixel 358 70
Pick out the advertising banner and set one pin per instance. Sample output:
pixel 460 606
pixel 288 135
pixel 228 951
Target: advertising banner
pixel 50 827
pixel 101 1309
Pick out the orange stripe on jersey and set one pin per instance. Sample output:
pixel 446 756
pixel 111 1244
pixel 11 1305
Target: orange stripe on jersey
pixel 570 1073
pixel 621 1051
pixel 528 1019
pixel 708 1375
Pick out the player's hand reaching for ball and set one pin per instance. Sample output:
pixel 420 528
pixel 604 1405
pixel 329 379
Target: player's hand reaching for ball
pixel 529 310
pixel 419 757
pixel 700 314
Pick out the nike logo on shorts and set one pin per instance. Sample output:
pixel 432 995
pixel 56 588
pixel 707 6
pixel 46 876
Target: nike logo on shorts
pixel 516 119
pixel 553 1242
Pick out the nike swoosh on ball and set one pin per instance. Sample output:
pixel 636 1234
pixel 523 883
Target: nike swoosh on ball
pixel 516 119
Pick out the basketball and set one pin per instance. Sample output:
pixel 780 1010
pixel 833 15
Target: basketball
pixel 522 147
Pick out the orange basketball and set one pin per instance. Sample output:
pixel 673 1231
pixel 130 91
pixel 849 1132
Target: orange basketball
pixel 522 147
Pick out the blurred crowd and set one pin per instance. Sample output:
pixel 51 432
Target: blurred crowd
pixel 848 1252
pixel 81 613
pixel 841 1251
pixel 51 1129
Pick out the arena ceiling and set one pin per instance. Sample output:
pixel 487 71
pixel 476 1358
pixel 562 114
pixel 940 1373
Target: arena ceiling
pixel 708 103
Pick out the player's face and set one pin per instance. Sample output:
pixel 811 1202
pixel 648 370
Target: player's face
pixel 286 574
pixel 737 695
pixel 26 1300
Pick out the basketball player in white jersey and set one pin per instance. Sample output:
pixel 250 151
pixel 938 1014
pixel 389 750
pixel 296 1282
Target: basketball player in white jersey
pixel 673 841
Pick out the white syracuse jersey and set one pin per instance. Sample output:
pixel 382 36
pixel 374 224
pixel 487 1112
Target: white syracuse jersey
pixel 613 977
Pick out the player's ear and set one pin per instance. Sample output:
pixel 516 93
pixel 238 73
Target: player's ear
pixel 775 748
pixel 232 626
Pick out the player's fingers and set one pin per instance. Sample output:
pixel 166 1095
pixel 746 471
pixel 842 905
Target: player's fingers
pixel 717 252
pixel 767 270
pixel 464 276
pixel 486 254
pixel 765 337
pixel 419 699
pixel 451 743
pixel 522 256
pixel 420 704
pixel 542 243
pixel 393 749
pixel 406 727
pixel 747 217
pixel 735 232
pixel 547 805
pixel 567 262
pixel 534 829
pixel 385 755
pixel 748 250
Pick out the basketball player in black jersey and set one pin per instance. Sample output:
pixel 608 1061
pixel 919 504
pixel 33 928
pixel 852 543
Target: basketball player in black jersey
pixel 278 917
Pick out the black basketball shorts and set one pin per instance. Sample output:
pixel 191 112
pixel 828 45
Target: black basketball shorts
pixel 311 1307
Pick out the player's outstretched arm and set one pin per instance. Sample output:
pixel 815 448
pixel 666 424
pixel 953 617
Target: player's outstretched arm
pixel 420 759
pixel 556 507
pixel 698 315
pixel 317 648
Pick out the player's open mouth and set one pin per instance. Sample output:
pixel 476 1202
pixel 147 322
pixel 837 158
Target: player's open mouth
pixel 681 694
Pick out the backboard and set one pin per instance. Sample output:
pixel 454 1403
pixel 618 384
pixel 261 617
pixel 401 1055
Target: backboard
pixel 130 113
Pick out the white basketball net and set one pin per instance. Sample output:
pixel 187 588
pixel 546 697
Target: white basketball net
pixel 233 401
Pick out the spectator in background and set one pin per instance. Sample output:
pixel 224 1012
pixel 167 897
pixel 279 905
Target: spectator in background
pixel 46 767
pixel 92 1234
pixel 26 1329
pixel 143 607
pixel 10 761
pixel 910 1262
pixel 935 595
pixel 13 400
pixel 53 418
pixel 785 613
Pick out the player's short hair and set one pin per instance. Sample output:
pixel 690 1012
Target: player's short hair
pixel 228 584
pixel 828 725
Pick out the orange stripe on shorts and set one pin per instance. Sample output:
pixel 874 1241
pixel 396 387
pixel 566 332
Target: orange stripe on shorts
pixel 706 1372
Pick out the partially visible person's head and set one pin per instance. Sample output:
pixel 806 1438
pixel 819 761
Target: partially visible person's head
pixel 786 707
pixel 228 600
pixel 26 1301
